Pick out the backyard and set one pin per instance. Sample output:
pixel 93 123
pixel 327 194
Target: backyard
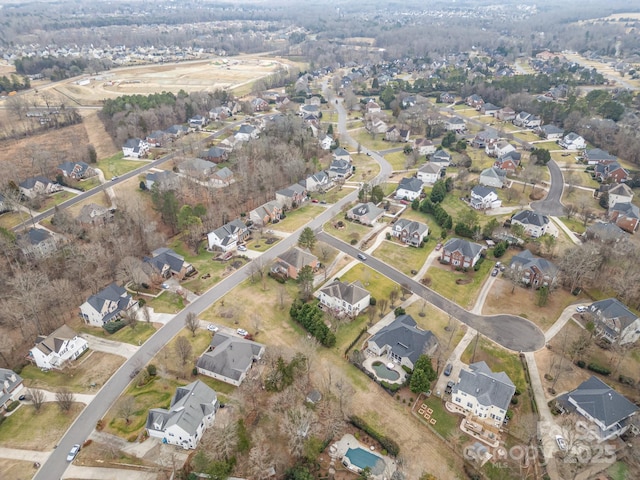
pixel 377 284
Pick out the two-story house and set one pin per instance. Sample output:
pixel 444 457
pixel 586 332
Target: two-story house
pixel 292 196
pixel 106 305
pixel 292 261
pixel 484 198
pixel 409 189
pixel 430 173
pixel 572 141
pixel 615 322
pixel 509 162
pixel 493 177
pixel 10 387
pixel 135 148
pixel 455 124
pixel 228 236
pixel 35 186
pixel 318 182
pixel 620 193
pixel 625 215
pixel 550 132
pixel 365 213
pixel 75 170
pixel 535 224
pixel 410 232
pixel 424 146
pixel 61 346
pixel 527 120
pixel 229 358
pixel 265 213
pixel 441 157
pixel 534 271
pixel 193 409
pixel 166 263
pixel 461 253
pixel 37 243
pixel 342 298
pixel 595 156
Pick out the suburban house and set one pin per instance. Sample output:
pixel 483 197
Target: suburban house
pixel 318 182
pixel 11 385
pixel 534 271
pixel 430 173
pixel 488 109
pixel 164 180
pixel 424 146
pixel 219 113
pixel 341 154
pixel 625 215
pixel 487 395
pixel 55 350
pixel 535 225
pixel 594 156
pixel 395 134
pixel 229 358
pixel 376 125
pixel 157 138
pixel 221 177
pixel 485 139
pixel 620 193
pixel 135 148
pixel 493 177
pixel 309 109
pixel 474 101
pixel 95 215
pixel 505 114
pixel 246 132
pixel 326 142
pixel 461 253
pixel 75 170
pixel 410 232
pixel 499 149
pixel 292 261
pixel 227 236
pixel 166 262
pixel 572 141
pixel 447 97
pixel 402 342
pixel 509 162
pixel 340 168
pixel 550 132
pixel 214 154
pixel 291 196
pixel 106 305
pixel 441 157
pixel 266 213
pixel 455 124
pixel 610 412
pixel 197 121
pixel 610 172
pixel 196 168
pixel 409 189
pixel 37 243
pixel 615 322
pixel 35 186
pixel 484 198
pixel 259 104
pixel 365 213
pixel 604 232
pixel 344 298
pixel 176 131
pixel 527 120
pixel 373 107
pixel 193 409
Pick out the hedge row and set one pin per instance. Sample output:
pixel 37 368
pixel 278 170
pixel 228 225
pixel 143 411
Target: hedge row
pixel 362 332
pixel 594 367
pixel 311 318
pixel 387 443
pixel 113 327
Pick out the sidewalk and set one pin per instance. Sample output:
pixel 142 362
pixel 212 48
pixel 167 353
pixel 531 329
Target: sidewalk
pixel 565 316
pixel 566 230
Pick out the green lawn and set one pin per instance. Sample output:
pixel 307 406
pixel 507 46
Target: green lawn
pixel 350 231
pixel 377 284
pixel 40 430
pixel 479 159
pixel 573 224
pixel 527 136
pixel 90 183
pixel 550 145
pixel 402 257
pixel 446 423
pixel 498 359
pixel 329 117
pixel 366 168
pixel 11 219
pixel 135 336
pixel 619 471
pixel 116 165
pixel 444 282
pixel 397 160
pixel 167 302
pixel 364 138
pixel 299 217
pixel 463 107
pixel 348 331
pixel 55 199
pixel 580 178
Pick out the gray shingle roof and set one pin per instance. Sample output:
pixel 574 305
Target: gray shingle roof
pixel 411 184
pixel 482 191
pixel 351 293
pixel 529 217
pixel 441 155
pixel 612 308
pixel 37 235
pixel 405 339
pixel 601 402
pixel 487 387
pixel 629 209
pixel 411 226
pixel 55 340
pixel 298 258
pixel 166 256
pixel 367 209
pixel 527 260
pixel 430 168
pixel 467 248
pixel 230 356
pixel 29 183
pixel 9 380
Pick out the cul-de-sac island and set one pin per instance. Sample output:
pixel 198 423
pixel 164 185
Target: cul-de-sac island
pixel 347 240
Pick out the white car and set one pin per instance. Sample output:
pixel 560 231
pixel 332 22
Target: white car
pixel 73 452
pixel 562 443
pixel 212 328
pixel 242 248
pixel 165 286
pixel 581 309
pixel 242 332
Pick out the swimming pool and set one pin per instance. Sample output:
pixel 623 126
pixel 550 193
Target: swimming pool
pixel 360 458
pixel 383 372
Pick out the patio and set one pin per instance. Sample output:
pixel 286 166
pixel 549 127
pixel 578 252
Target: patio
pixel 384 369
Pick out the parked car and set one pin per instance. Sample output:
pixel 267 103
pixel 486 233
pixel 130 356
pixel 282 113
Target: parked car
pixel 438 247
pixel 212 328
pixel 242 248
pixel 494 272
pixel 581 309
pixel 562 443
pixel 242 332
pixel 448 369
pixel 362 256
pixel 315 200
pixel 165 286
pixel 322 202
pixel 449 387
pixel 73 452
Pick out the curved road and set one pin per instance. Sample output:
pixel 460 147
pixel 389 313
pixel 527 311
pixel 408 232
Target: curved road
pixel 552 204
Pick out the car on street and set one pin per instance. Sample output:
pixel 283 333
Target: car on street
pixel 73 452
pixel 449 387
pixel 212 328
pixel 242 332
pixel 494 273
pixel 438 247
pixel 581 309
pixel 562 443
pixel 322 202
pixel 114 178
pixel 362 256
pixel 242 248
pixel 448 369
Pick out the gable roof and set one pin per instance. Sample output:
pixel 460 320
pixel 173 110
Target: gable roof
pixel 551 130
pixel 69 167
pixel 465 247
pixel 411 184
pixel 529 217
pixel 411 226
pixel 597 154
pixel 482 191
pixel 487 387
pixel 55 341
pixel 602 402
pixel 351 293
pixel 405 338
pixel 29 183
pixel 298 258
pixel 495 173
pixel 628 209
pixel 229 356
pixel 430 167
pixel 611 308
pixel 621 189
pixel 367 208
pixel 9 380
pixel 527 260
pixel 166 256
pixel 441 155
pixel 36 236
pixel 111 293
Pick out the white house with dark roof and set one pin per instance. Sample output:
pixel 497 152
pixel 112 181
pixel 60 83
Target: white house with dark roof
pixel 227 236
pixel 164 180
pixel 493 177
pixel 572 141
pixel 410 232
pixel 620 193
pixel 246 132
pixel 193 409
pixel 499 149
pixel 595 156
pixel 485 394
pixel 430 173
pixel 229 358
pixel 424 146
pixel 534 271
pixel 34 186
pixel 37 243
pixel 365 213
pixel 106 305
pixel 344 298
pixel 167 262
pixel 10 387
pixel 461 253
pixel 606 409
pixel 135 148
pixel 485 138
pixel 342 154
pixel 402 341
pixel 615 322
pixel 455 124
pixel 318 182
pixel 409 188
pixel 441 157
pixel 535 224
pixel 340 168
pixel 484 198
pixel 53 351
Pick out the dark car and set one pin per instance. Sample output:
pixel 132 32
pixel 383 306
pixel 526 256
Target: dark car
pixel 449 387
pixel 448 369
pixel 494 272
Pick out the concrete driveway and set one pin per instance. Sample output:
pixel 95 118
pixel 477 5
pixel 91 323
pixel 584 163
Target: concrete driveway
pixel 98 344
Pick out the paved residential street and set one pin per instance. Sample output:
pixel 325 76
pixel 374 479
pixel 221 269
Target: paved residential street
pixel 551 204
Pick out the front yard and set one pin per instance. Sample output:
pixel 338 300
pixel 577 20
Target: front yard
pixel 347 230
pixel 461 287
pixel 55 199
pixel 377 284
pixel 167 302
pixel 404 258
pixel 134 336
pixel 117 165
pixel 298 217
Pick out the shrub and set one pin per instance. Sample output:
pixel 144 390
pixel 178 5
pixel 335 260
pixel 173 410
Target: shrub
pixel 194 372
pixel 113 327
pixel 594 367
pixel 373 301
pixel 626 380
pixel 353 241
pixel 399 311
pixel 152 370
pixel 581 363
pixel 514 400
pixel 406 369
pixel 142 302
pixel 132 438
pixel 476 267
pixel 13 405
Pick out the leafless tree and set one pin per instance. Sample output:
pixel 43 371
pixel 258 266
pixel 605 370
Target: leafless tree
pixel 382 304
pixel 298 424
pixel 371 313
pixel 393 296
pixel 37 398
pixel 260 458
pixel 126 408
pixel 192 323
pixel 260 269
pixel 146 314
pixel 406 290
pixel 282 295
pixel 224 441
pixel 64 399
pixel 183 350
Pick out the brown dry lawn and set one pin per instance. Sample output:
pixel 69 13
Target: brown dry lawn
pixel 18 469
